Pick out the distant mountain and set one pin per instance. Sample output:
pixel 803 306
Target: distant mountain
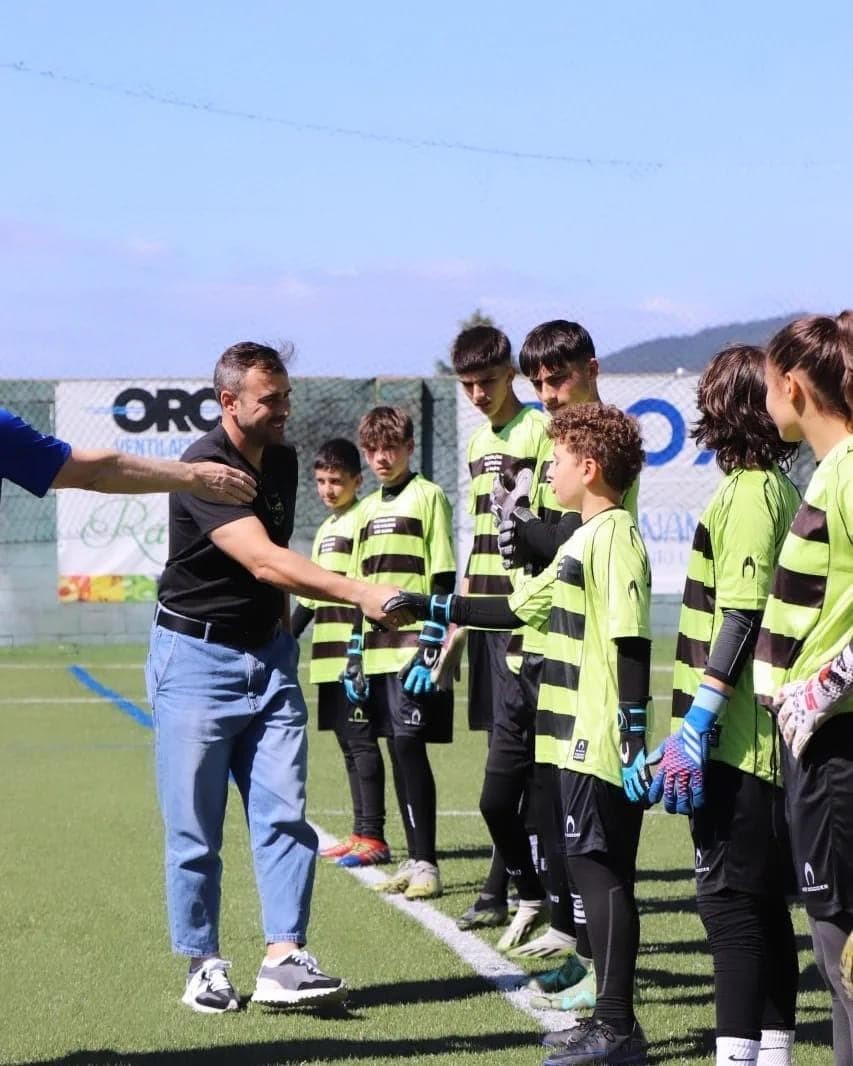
pixel 693 351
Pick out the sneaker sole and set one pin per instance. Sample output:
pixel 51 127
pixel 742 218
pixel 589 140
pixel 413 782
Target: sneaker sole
pixel 283 997
pixel 200 1008
pixel 639 1058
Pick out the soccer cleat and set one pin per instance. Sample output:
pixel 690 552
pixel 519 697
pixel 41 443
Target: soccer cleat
pixel 565 976
pixel 483 914
pixel 296 980
pixel 399 881
pixel 527 917
pixel 208 989
pixel 597 1043
pixel 846 965
pixel 552 944
pixel 343 848
pixel 367 852
pixel 581 996
pixel 425 882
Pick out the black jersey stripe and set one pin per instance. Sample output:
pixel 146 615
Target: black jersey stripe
pixel 810 524
pixel 549 516
pixel 485 544
pixel 561 675
pixel 558 726
pixel 699 596
pixel 482 505
pixel 389 564
pixel 508 464
pixel 691 651
pixel 778 649
pixel 516 642
pixel 384 525
pixel 328 649
pixel 334 612
pixel 681 703
pixel 567 623
pixel 702 542
pixel 379 639
pixel 801 590
pixel 489 585
pixel 570 571
pixel 336 544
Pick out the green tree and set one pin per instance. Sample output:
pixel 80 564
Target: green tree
pixel 476 318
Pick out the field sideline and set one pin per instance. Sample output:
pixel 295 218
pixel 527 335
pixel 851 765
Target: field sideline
pixel 88 976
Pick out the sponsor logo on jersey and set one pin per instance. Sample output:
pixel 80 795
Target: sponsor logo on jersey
pixel 579 754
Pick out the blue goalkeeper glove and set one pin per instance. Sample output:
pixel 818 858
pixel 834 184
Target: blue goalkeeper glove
pixel 636 776
pixel 680 781
pixel 416 675
pixel 356 685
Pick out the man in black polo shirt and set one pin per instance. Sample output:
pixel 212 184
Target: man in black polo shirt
pixel 221 677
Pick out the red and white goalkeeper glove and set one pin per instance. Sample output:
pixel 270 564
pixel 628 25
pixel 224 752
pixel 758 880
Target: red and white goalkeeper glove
pixel 802 707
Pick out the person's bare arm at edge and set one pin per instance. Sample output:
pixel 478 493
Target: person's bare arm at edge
pixel 115 472
pixel 246 541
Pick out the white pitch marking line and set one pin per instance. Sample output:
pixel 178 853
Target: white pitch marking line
pixel 483 959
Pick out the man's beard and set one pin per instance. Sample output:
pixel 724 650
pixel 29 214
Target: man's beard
pixel 260 434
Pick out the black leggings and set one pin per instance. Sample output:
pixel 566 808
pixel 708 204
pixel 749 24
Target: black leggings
pixel 501 804
pixel 415 788
pixel 755 961
pixel 614 934
pixel 366 775
pixel 828 937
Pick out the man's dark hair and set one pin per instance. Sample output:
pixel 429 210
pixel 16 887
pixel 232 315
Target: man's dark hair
pixel 554 345
pixel 232 365
pixel 733 418
pixel 338 454
pixel 480 348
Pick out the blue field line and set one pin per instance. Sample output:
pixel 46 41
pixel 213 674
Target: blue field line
pixel 124 705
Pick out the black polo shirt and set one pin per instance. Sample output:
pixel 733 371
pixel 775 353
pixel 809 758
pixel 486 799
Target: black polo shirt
pixel 202 582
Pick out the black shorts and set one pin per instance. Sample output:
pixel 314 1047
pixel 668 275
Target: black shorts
pixel 513 735
pixel 599 817
pixel 489 677
pixel 740 836
pixel 333 707
pixel 391 712
pixel 819 798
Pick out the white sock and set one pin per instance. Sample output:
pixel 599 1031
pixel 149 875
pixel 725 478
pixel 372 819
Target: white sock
pixel 776 1047
pixel 735 1049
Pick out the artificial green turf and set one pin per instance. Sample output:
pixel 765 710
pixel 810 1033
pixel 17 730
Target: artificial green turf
pixel 87 973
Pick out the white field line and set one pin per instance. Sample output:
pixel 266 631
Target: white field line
pixel 483 959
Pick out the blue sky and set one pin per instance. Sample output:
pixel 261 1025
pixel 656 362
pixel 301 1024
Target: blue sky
pixel 711 182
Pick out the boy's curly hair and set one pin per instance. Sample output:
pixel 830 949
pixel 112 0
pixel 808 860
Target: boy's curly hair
pixel 606 434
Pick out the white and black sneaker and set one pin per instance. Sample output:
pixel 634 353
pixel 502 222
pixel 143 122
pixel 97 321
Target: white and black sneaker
pixel 209 990
pixel 296 980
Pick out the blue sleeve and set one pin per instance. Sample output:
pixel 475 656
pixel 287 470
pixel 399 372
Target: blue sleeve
pixel 27 457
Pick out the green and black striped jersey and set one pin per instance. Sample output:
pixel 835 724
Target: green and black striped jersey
pixel 403 541
pixel 809 614
pixel 734 553
pixel 597 591
pixel 333 622
pixel 508 450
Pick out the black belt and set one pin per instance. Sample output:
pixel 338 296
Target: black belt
pixel 214 632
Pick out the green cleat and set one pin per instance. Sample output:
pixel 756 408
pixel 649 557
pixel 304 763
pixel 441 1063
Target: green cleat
pixel 565 976
pixel 483 915
pixel 424 882
pixel 399 881
pixel 579 997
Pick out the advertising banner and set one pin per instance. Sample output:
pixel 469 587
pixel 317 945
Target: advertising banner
pixel 675 484
pixel 111 549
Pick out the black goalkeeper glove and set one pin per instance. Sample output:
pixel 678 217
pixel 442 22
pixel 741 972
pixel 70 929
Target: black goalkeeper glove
pixel 356 685
pixel 425 608
pixel 509 503
pixel 636 776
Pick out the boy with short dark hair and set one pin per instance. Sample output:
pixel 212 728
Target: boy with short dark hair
pixel 337 475
pixel 405 538
pixel 507 444
pixel 592 603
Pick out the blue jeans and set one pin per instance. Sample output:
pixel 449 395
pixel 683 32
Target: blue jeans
pixel 218 710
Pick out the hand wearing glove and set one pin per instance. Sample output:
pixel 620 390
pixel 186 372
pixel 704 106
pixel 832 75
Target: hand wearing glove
pixel 802 707
pixel 680 781
pixel 636 776
pixel 416 675
pixel 356 685
pixel 436 608
pixel 509 503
